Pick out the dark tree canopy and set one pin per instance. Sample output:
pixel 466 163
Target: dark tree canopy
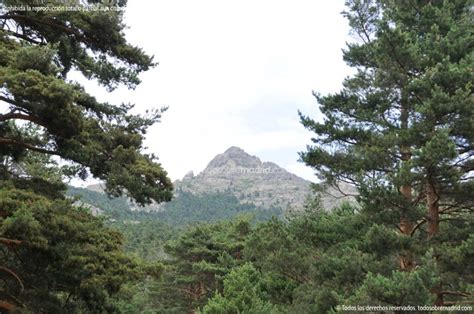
pixel 63 260
pixel 37 51
pixel 402 131
pixel 55 257
pixel 402 127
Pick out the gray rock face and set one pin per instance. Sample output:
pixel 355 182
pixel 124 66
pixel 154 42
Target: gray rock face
pixel 249 179
pixel 188 176
pixel 236 156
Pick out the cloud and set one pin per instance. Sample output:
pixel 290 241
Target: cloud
pixel 233 73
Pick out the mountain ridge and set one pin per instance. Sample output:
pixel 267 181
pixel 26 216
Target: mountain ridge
pixel 252 181
pixel 262 183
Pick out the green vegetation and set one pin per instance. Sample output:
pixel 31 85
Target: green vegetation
pixel 38 51
pixel 243 293
pixel 146 232
pixel 186 208
pixel 310 264
pixel 55 257
pixel 144 238
pixel 401 130
pixel 115 207
pixel 59 258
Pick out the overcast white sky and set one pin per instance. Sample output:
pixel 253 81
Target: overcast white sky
pixel 234 73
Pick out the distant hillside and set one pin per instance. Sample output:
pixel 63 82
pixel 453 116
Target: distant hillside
pixel 186 208
pixel 233 183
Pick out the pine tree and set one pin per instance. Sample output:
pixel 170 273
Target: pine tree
pixel 44 113
pixel 62 259
pixel 401 129
pixel 38 49
pixel 242 293
pixel 198 260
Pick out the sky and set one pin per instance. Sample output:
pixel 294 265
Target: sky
pixel 233 73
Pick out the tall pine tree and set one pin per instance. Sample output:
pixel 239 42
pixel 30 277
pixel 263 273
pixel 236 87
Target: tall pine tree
pixel 402 127
pixel 37 51
pixel 43 111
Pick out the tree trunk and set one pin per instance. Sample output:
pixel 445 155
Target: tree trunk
pixel 433 209
pixel 406 225
pixel 7 306
pixel 439 296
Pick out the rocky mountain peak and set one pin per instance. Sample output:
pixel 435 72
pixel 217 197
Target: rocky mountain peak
pixel 248 178
pixel 233 156
pixel 234 150
pixel 264 184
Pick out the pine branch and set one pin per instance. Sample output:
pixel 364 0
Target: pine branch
pixel 19 116
pixel 418 225
pixel 9 242
pixel 68 30
pixel 457 293
pixel 9 141
pixel 24 37
pixel 14 275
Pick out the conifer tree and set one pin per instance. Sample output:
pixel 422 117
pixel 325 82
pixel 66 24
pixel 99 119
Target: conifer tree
pixel 37 51
pixel 44 112
pixel 402 127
